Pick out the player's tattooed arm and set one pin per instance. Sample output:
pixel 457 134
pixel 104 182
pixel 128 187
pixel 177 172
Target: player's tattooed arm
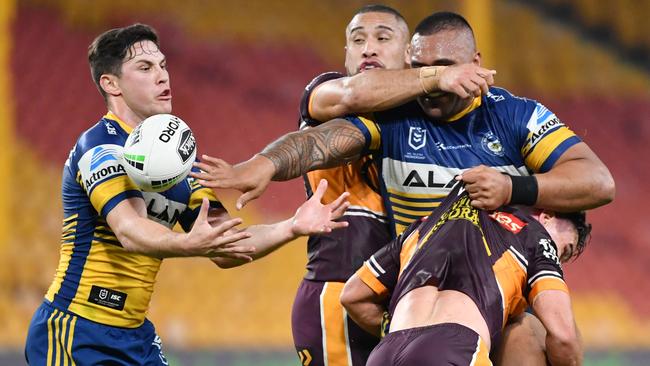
pixel 330 144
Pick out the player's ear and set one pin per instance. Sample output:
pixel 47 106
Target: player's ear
pixel 477 58
pixel 110 85
pixel 546 216
pixel 407 54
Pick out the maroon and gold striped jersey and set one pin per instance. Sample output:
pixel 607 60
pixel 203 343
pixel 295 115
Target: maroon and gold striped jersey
pixel 337 255
pixel 500 259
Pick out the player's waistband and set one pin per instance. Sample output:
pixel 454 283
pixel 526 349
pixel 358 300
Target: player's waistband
pixel 50 307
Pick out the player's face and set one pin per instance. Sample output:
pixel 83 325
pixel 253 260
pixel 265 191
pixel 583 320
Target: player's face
pixel 376 40
pixel 565 236
pixel 444 48
pixel 144 82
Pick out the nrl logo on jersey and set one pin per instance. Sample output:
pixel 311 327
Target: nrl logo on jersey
pixel 492 144
pixel 417 137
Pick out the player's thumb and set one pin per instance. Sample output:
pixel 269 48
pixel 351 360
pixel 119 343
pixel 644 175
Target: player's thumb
pixel 203 212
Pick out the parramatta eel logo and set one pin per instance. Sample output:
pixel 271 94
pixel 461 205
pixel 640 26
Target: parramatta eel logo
pixel 101 155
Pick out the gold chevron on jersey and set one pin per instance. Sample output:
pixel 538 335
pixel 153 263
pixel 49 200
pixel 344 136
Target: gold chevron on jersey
pixel 69 229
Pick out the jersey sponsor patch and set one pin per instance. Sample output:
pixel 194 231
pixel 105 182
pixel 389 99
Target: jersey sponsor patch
pixel 162 209
pixel 100 163
pixel 106 297
pixel 509 221
pixel 541 123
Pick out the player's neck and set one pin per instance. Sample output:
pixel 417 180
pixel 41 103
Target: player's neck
pixel 124 113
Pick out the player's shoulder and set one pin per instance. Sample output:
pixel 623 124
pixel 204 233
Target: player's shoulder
pixel 503 99
pixel 306 119
pixel 516 110
pixel 322 78
pixel 104 132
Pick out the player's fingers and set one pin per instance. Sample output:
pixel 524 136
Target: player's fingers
pixel 471 88
pixel 477 204
pixel 340 211
pixel 337 225
pixel 209 183
pixel 223 227
pixel 234 247
pixel 237 256
pixel 247 197
pixel 338 202
pixel 203 211
pixel 460 91
pixel 215 161
pixel 222 241
pixel 320 190
pixel 481 83
pixel 205 167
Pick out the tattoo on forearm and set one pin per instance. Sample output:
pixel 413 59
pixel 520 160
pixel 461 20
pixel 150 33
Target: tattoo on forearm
pixel 325 146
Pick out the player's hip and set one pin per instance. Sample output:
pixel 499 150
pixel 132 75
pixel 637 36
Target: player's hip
pixel 58 337
pixel 439 344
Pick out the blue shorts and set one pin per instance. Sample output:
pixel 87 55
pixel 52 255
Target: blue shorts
pixel 57 337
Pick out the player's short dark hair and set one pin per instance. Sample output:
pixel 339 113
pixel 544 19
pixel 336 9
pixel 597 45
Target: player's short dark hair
pixel 442 20
pixel 106 53
pixel 579 220
pixel 378 8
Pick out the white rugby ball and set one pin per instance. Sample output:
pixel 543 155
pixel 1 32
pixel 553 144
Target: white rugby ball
pixel 159 152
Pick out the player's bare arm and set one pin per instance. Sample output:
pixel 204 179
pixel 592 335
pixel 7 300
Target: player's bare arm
pixel 563 346
pixel 328 145
pixel 325 146
pixel 138 234
pixel 311 218
pixel 577 181
pixel 363 305
pixel 376 90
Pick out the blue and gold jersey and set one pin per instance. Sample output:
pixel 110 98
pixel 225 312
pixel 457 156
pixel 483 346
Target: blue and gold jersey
pixel 97 278
pixel 418 156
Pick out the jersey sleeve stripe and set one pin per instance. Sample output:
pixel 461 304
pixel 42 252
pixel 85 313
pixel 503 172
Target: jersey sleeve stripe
pixel 373 263
pixel 564 146
pixel 373 130
pixel 113 201
pixel 545 149
pixel 197 197
pixel 544 284
pixel 106 191
pixel 542 274
pixel 366 275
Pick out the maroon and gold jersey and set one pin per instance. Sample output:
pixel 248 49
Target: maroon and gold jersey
pixel 500 259
pixel 336 256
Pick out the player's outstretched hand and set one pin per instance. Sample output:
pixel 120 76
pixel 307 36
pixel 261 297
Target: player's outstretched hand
pixel 488 189
pixel 466 80
pixel 250 177
pixel 204 240
pixel 315 218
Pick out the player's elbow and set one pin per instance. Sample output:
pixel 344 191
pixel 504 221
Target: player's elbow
pixel 564 347
pixel 607 187
pixel 348 297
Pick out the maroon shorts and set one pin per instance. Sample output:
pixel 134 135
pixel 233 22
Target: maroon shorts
pixel 322 332
pixel 439 344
